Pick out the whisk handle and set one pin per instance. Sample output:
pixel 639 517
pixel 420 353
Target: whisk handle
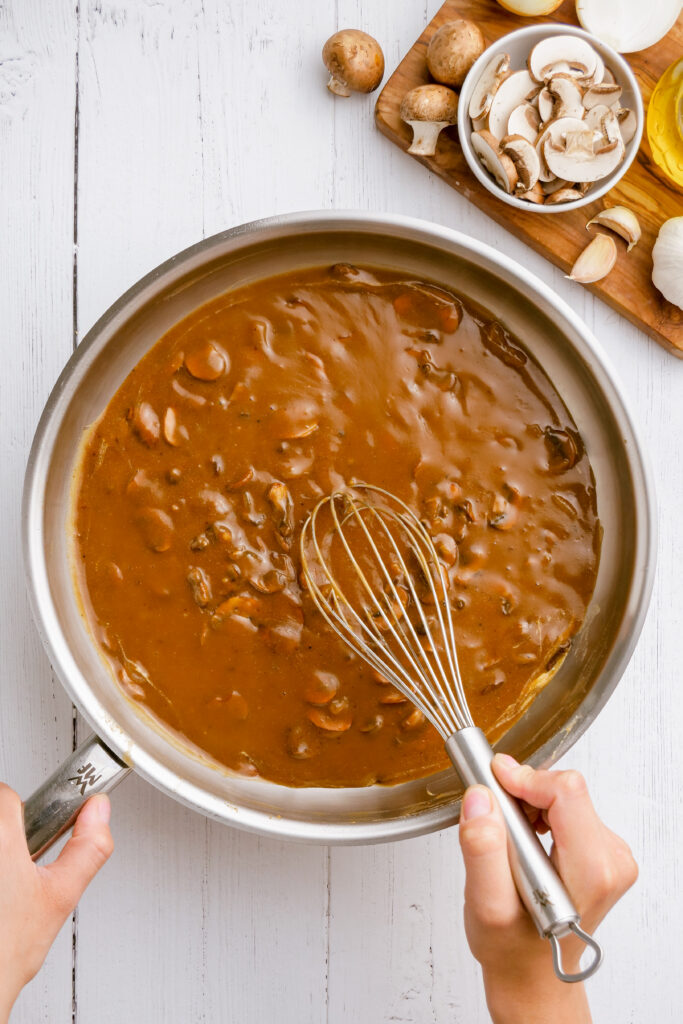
pixel 539 886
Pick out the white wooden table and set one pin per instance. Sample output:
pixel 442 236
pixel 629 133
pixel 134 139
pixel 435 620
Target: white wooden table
pixel 128 130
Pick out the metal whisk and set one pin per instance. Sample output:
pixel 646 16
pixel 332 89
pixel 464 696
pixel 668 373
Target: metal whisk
pixel 375 575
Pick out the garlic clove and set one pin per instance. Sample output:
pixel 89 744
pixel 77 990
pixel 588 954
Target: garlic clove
pixel 667 261
pixel 596 260
pixel 620 220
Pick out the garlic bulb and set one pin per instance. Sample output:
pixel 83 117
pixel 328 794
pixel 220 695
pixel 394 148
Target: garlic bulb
pixel 667 260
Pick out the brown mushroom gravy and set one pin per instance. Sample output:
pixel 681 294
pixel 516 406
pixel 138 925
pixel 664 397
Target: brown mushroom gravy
pixel 195 481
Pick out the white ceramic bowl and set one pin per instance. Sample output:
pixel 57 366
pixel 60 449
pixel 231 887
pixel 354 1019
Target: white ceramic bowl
pixel 518 45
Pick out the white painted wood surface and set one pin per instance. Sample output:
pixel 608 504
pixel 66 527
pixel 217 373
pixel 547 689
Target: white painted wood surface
pixel 131 129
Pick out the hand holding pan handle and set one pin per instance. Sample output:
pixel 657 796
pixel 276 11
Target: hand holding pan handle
pixel 53 808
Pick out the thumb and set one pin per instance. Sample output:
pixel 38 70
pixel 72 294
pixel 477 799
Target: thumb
pixel 86 852
pixel 490 893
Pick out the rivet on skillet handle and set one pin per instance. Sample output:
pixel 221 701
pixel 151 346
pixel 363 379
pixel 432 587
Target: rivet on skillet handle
pixel 52 809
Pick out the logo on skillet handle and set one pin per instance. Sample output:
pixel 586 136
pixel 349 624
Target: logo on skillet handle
pixel 85 776
pixel 542 897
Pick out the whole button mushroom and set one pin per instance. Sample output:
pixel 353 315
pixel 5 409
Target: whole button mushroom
pixel 156 527
pixel 145 423
pixel 453 50
pixel 428 109
pixel 206 362
pixel 355 62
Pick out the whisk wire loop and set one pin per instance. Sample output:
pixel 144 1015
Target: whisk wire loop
pixel 399 624
pixel 405 652
pixel 430 566
pixel 337 610
pixel 424 664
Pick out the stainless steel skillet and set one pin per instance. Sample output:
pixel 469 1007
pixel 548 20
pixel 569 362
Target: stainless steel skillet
pixel 124 738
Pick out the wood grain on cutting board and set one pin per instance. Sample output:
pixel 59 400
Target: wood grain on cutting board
pixel 560 237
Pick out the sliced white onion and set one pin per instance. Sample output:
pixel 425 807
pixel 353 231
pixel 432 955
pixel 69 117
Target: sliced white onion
pixel 629 25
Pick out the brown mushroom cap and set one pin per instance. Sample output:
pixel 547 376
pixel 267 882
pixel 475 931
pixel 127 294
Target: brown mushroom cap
pixel 494 160
pixel 453 50
pixel 430 103
pixel 355 62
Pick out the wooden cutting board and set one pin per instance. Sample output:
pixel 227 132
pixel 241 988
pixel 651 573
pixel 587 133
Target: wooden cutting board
pixel 560 237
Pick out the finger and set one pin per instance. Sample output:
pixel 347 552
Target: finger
pixel 12 833
pixel 86 852
pixel 577 829
pixel 533 815
pixel 583 849
pixel 538 819
pixel 626 863
pixel 490 894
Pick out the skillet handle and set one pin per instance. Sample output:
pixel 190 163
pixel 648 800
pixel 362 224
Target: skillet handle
pixel 52 809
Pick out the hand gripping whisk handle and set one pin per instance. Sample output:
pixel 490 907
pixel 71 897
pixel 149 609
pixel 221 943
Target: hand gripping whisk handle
pixel 539 886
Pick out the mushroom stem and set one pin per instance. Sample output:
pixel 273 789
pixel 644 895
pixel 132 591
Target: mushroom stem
pixel 425 135
pixel 338 87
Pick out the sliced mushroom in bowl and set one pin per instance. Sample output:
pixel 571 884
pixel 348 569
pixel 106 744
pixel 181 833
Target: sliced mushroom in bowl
pixel 566 95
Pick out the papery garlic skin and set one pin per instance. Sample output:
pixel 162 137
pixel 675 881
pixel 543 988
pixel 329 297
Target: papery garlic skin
pixel 667 261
